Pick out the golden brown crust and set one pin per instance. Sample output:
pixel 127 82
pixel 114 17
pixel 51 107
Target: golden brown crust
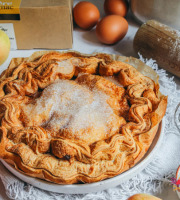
pixel 33 148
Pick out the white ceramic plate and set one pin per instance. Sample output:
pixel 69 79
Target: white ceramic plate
pixel 101 185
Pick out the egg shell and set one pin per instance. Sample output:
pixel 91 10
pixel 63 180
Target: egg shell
pixel 86 15
pixel 111 29
pixel 116 7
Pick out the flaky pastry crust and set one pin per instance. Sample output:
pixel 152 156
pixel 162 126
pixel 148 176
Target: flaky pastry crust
pixel 41 133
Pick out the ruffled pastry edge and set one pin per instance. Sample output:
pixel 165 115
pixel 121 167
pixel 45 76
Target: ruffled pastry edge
pixel 156 118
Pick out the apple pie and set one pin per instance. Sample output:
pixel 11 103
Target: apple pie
pixel 71 118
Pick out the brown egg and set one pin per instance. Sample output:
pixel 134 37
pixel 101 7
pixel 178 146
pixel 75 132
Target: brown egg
pixel 86 14
pixel 116 7
pixel 111 29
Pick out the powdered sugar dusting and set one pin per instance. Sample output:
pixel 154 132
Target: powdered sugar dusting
pixel 113 80
pixel 66 106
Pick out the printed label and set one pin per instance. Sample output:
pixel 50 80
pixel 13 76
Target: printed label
pixel 10 6
pixel 9 30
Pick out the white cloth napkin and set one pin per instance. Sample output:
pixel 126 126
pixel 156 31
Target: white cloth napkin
pixel 151 179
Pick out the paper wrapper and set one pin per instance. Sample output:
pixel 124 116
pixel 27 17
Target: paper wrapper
pixel 138 64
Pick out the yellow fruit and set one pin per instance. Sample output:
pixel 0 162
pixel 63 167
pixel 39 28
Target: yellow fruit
pixel 4 47
pixel 143 197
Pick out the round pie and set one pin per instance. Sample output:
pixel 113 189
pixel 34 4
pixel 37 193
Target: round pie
pixel 70 118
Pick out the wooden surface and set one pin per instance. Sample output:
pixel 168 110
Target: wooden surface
pixel 160 42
